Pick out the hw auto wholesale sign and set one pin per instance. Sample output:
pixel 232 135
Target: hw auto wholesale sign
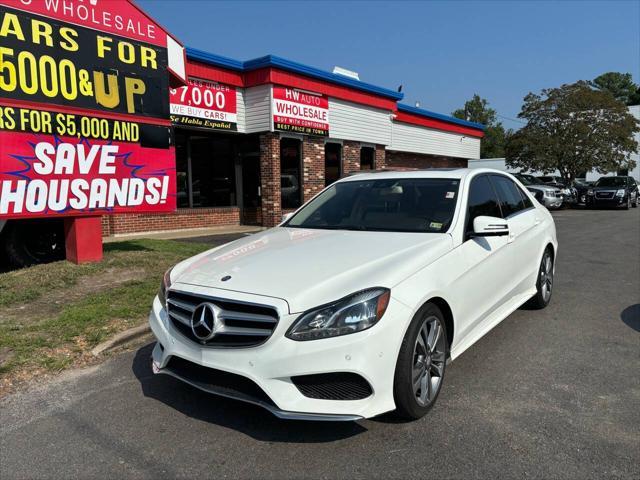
pixel 84 113
pixel 204 104
pixel 300 111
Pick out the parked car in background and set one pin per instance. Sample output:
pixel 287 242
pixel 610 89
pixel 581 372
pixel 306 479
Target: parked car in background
pixel 549 196
pixel 582 187
pixel 569 193
pixel 354 305
pixel 621 191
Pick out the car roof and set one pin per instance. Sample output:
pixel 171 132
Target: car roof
pixel 452 173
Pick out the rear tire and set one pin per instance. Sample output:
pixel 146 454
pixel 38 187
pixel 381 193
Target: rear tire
pixel 29 242
pixel 421 364
pixel 635 203
pixel 544 283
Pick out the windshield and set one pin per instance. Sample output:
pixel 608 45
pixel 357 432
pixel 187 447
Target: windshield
pixel 524 179
pixel 392 205
pixel 611 182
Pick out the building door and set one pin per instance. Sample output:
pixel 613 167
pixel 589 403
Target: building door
pixel 251 195
pixel 248 180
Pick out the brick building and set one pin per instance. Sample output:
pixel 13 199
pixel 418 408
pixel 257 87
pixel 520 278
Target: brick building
pixel 256 139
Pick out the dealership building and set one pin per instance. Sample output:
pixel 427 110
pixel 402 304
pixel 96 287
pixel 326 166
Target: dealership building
pixel 258 138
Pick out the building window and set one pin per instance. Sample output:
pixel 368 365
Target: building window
pixel 205 171
pixel 290 191
pixel 332 162
pixel 367 158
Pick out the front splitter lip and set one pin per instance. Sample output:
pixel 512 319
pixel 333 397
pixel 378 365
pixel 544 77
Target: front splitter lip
pixel 282 414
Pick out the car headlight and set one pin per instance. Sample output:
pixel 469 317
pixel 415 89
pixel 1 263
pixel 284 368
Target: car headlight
pixel 164 286
pixel 549 193
pixel 351 314
pixel 620 193
pixel 590 192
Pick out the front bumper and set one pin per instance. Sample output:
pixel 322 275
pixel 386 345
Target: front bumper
pixel 552 202
pixel 371 354
pixel 606 202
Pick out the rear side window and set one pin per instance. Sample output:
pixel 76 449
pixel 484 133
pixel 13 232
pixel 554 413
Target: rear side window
pixel 510 199
pixel 525 198
pixel 482 201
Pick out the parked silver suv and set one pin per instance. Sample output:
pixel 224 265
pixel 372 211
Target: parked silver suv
pixel 548 195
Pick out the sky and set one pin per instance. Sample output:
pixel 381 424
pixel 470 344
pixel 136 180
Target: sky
pixel 442 52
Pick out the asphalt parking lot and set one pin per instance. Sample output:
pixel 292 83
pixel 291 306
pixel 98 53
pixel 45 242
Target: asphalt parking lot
pixel 547 394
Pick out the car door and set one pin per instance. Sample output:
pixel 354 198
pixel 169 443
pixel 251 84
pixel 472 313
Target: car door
pixel 483 281
pixel 523 219
pixel 633 189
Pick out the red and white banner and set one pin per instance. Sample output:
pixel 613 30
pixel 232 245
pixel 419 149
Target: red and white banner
pixel 47 174
pixel 300 111
pixel 84 110
pixel 204 104
pixel 116 17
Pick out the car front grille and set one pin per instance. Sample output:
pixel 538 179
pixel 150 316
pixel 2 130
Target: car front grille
pixel 333 386
pixel 238 324
pixel 604 194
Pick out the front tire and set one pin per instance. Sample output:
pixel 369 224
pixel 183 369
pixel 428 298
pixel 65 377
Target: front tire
pixel 421 364
pixel 544 284
pixel 33 241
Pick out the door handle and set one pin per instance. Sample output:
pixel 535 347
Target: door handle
pixel 537 221
pixel 510 238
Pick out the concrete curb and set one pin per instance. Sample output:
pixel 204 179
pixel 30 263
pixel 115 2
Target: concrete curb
pixel 121 338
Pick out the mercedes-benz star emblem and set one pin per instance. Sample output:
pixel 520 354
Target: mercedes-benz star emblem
pixel 205 322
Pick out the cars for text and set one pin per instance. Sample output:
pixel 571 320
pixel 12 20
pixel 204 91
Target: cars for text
pixel 354 305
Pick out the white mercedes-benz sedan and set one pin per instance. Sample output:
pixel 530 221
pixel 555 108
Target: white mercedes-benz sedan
pixel 356 303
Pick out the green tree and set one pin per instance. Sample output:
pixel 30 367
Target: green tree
pixel 477 110
pixel 573 129
pixel 620 85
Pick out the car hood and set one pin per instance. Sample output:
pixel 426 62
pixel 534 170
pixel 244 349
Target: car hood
pixel 307 268
pixel 607 189
pixel 547 188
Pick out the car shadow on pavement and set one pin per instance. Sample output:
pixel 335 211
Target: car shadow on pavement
pixel 631 316
pixel 249 419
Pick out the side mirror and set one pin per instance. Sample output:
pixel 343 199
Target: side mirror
pixel 484 226
pixel 287 216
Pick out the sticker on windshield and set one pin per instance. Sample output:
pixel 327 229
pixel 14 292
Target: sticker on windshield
pixel 450 194
pixel 435 225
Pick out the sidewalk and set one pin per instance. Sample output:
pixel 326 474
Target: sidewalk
pixel 186 233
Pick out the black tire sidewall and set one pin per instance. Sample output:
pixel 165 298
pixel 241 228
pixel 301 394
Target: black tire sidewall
pixel 15 249
pixel 538 301
pixel 406 405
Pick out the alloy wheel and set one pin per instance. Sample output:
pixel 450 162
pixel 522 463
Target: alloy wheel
pixel 428 361
pixel 546 276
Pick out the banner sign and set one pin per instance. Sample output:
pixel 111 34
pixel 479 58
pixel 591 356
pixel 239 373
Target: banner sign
pixel 73 166
pixel 300 111
pixel 48 61
pixel 84 112
pixel 204 104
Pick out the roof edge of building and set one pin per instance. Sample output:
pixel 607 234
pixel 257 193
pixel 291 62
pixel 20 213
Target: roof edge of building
pixel 291 66
pixel 439 116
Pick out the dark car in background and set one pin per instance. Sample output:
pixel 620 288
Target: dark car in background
pixel 582 187
pixel 620 191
